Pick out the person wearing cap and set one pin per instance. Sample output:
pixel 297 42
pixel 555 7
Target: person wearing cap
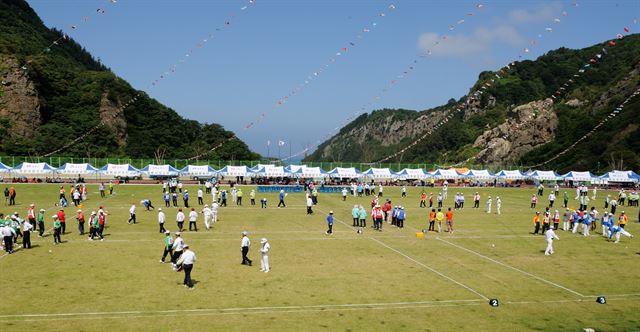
pixel 355 212
pixel 362 215
pixel 147 204
pixel 565 219
pixel 168 246
pixel 622 220
pixel 193 217
pixel 16 224
pixel 498 205
pixel 565 199
pixel 214 212
pixel 245 244
pixel 489 202
pixel 132 214
pixel 239 195
pixel 263 203
pixel 476 200
pixel 26 235
pixel 94 226
pixel 344 194
pixel 167 199
pixel 185 198
pixel 40 220
pixel 252 197
pixel 264 262
pixel 449 219
pixel 206 211
pixel 556 220
pixel 617 230
pixel 161 219
pixel 178 247
pixel 401 216
pixel 551 235
pixel 80 219
pixel 281 197
pixel 187 259
pixel 376 215
pixel 31 215
pixel 62 219
pixel 180 219
pixel 330 223
pixel 174 199
pixel 57 229
pixel 7 235
pixel 102 221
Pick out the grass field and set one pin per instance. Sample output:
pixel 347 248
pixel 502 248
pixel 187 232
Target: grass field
pixel 387 280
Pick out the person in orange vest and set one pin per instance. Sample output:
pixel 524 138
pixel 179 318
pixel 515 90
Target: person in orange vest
pixel 62 220
pixel 536 223
pixel 12 196
pixel 432 220
pixel 546 222
pixel 377 214
pixel 31 215
pixel 423 199
pixel 80 218
pixel 449 217
pixel 622 220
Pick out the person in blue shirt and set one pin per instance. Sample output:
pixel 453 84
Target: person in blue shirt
pixel 282 196
pixel 147 204
pixel 185 198
pixel 355 213
pixel 401 216
pixel 223 198
pixel 166 198
pixel 330 223
pixel 616 230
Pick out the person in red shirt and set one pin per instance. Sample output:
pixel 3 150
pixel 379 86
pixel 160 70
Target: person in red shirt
pixel 101 221
pixel 62 219
pixel 376 215
pixel 31 215
pixel 449 216
pixel 80 218
pixel 385 209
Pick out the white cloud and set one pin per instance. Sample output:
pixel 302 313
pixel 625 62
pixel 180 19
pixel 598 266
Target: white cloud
pixel 478 42
pixel 539 14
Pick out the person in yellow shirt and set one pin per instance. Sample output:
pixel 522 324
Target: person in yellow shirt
pixel 439 219
pixel 536 223
pixel 622 220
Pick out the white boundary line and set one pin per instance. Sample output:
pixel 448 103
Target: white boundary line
pixel 430 269
pixel 511 267
pixel 266 310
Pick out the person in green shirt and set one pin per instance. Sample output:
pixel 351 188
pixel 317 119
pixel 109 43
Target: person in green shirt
pixel 565 197
pixel 40 220
pixel 57 229
pixel 168 246
pixel 95 227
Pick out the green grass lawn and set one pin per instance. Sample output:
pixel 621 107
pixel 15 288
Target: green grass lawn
pixel 387 280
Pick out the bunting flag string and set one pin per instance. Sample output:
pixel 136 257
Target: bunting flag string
pixel 65 36
pixel 404 73
pixel 563 89
pixel 314 75
pixel 224 25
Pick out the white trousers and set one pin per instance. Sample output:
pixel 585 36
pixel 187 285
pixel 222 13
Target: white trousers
pixel 575 227
pixel 605 230
pixel 565 225
pixel 499 208
pixel 488 208
pixel 264 263
pixel 215 216
pixel 625 233
pixel 549 250
pixel 207 220
pixel 585 229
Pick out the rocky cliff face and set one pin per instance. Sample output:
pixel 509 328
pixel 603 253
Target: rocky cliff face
pixel 111 116
pixel 528 126
pixel 19 100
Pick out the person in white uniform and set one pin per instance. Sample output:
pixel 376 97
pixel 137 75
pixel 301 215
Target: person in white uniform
pixel 161 219
pixel 551 235
pixel 207 216
pixel 264 263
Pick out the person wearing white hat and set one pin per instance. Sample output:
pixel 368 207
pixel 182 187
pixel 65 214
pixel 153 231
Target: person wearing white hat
pixel 214 211
pixel 178 246
pixel 80 219
pixel 401 216
pixel 40 220
pixel 245 244
pixel 550 236
pixel 161 219
pixel 488 204
pixel 309 205
pixel 498 205
pixel 31 215
pixel 57 229
pixel 206 211
pixel 168 246
pixel 264 262
pixel 376 214
pixel 186 260
pixel 132 214
pixel 193 217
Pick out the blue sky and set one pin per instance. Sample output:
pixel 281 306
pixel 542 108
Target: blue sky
pixel 271 47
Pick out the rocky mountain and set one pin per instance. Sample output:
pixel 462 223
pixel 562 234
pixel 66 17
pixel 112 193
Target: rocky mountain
pixel 52 91
pixel 514 121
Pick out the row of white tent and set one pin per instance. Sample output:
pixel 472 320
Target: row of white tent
pixel 266 170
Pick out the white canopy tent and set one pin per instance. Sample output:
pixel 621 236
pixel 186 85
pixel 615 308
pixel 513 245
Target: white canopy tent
pixel 340 172
pixel 619 176
pixel 34 168
pixel 545 176
pixel 510 175
pixel 379 173
pixel 5 168
pixel 412 174
pixel 160 170
pixel 307 172
pixel 198 170
pixel 446 174
pixel 579 176
pixel 119 170
pixel 480 174
pixel 235 171
pixel 72 169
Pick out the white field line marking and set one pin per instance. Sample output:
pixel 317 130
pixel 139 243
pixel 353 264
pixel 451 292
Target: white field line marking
pixel 511 267
pixel 15 250
pixel 376 304
pixel 156 315
pixel 430 269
